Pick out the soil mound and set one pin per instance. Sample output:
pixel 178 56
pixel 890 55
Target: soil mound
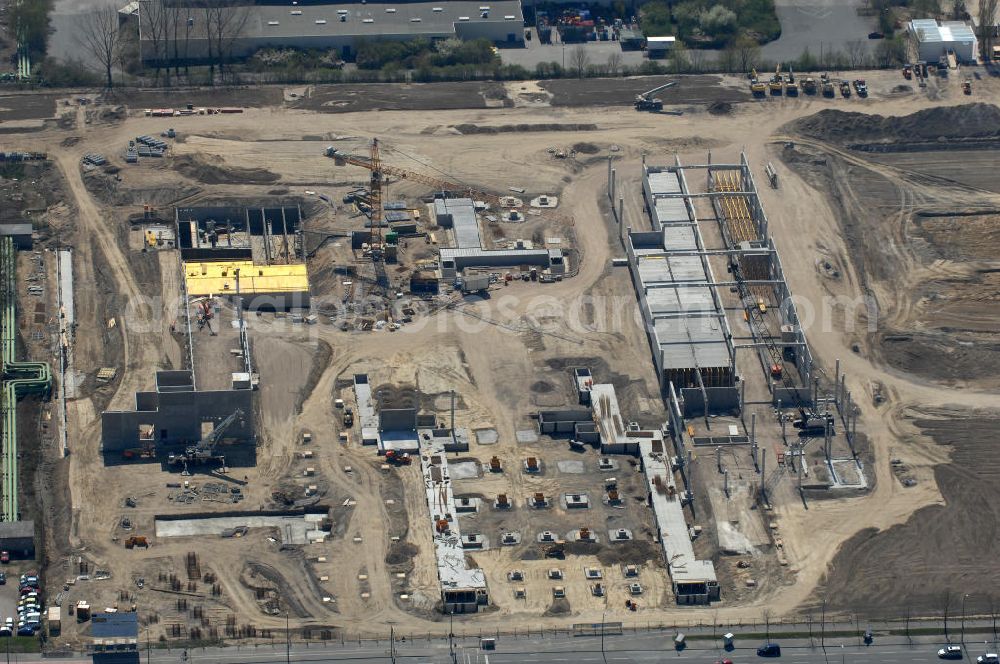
pixel 977 120
pixel 200 170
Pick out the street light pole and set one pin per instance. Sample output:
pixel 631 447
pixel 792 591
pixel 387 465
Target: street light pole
pixel 288 640
pixel 964 597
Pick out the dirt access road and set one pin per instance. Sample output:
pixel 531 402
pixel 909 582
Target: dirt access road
pixel 805 226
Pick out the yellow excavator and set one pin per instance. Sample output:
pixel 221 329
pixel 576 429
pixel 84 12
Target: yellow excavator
pixel 791 86
pixel 756 87
pixel 775 83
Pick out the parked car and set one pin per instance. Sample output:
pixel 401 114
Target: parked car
pixel 950 652
pixel 876 35
pixel 4 557
pixel 25 630
pixel 6 631
pixel 769 650
pixel 988 658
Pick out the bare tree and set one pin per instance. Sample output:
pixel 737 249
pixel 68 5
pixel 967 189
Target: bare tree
pixel 748 52
pixel 98 32
pixel 154 30
pixel 614 63
pixel 579 59
pixel 856 52
pixel 697 60
pixel 987 24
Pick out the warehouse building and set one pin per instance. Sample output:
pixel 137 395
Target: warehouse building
pixel 18 537
pixel 340 26
pixel 936 40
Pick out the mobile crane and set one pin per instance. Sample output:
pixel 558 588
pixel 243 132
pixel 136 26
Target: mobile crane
pixel 646 102
pixel 204 450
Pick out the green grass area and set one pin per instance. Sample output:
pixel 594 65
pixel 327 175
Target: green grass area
pixel 710 24
pixel 21 644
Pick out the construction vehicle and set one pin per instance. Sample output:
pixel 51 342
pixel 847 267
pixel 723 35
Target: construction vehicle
pixel 907 72
pixel 809 85
pixel 861 87
pixel 137 541
pixel 845 89
pixel 757 88
pixel 556 550
pixel 348 417
pixel 967 86
pixel 646 102
pixel 397 459
pixel 791 86
pixel 204 451
pixel 813 424
pixel 827 85
pixel 776 82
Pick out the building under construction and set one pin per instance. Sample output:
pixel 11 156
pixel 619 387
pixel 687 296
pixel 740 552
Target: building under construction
pixel 255 253
pixel 698 338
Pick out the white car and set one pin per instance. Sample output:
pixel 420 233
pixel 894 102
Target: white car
pixel 988 658
pixel 950 652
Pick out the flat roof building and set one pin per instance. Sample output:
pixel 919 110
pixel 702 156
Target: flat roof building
pixel 935 40
pixel 340 26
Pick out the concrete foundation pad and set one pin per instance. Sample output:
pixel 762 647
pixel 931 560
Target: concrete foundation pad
pixel 486 436
pixel 463 471
pixel 294 529
pixel 570 467
pixel 527 436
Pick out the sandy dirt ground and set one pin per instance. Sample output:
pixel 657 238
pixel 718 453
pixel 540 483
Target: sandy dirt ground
pixel 491 352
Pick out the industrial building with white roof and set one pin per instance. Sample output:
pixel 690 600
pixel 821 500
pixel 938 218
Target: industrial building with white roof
pixel 341 26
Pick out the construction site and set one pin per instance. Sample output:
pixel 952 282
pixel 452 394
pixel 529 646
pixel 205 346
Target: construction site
pixel 325 369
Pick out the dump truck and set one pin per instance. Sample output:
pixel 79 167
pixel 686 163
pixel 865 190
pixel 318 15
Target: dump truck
pixel 137 541
pixel 348 417
pixel 809 85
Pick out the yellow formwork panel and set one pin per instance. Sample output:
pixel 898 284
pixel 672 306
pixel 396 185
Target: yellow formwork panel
pixel 219 278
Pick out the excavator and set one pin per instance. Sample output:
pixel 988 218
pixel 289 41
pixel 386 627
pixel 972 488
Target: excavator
pixel 757 88
pixel 776 81
pixel 204 451
pixel 791 87
pixel 646 101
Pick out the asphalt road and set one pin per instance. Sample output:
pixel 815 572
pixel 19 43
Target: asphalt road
pixel 644 647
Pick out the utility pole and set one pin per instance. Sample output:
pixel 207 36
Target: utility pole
pixel 451 637
pixel 288 640
pixel 392 644
pixel 147 646
pixel 964 597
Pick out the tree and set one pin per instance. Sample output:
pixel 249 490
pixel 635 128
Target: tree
pixel 98 33
pixel 987 23
pixel 959 12
pixel 614 63
pixel 579 59
pixel 154 26
pixel 856 52
pixel 679 59
pixel 748 52
pixel 30 20
pixel 890 52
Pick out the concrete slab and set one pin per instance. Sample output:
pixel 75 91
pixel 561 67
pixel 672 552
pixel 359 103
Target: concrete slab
pixel 464 471
pixel 486 436
pixel 527 436
pixel 571 467
pixel 294 529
